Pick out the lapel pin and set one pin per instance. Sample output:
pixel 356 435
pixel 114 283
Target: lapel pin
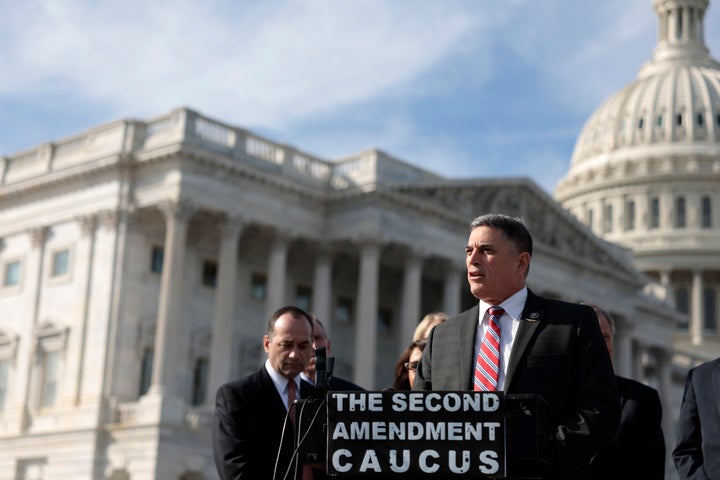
pixel 533 317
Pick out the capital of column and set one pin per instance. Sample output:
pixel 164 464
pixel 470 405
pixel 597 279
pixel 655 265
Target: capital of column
pixel 415 256
pixel 38 235
pixel 231 225
pixel 178 210
pixel 369 243
pixel 87 224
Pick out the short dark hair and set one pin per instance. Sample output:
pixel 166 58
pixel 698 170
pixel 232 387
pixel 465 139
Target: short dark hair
pixel 292 310
pixel 513 229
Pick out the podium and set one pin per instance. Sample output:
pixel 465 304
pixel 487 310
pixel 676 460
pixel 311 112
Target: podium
pixel 404 435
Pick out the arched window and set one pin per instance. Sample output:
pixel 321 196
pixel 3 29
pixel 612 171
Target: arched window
pixel 655 213
pixel 630 216
pixel 608 219
pixel 681 304
pixel 710 320
pixel 706 212
pixel 680 217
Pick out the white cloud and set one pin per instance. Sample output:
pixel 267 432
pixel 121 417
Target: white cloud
pixel 263 63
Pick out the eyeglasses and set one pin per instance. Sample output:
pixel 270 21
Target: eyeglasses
pixel 411 365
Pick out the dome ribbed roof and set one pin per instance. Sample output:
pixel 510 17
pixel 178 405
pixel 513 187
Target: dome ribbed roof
pixel 675 99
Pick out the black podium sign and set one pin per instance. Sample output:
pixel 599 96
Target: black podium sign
pixel 392 434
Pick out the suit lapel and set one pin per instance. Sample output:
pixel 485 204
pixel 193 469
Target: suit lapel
pixel 466 330
pixel 531 317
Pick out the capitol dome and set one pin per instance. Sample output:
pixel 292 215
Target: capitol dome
pixel 645 171
pixel 675 99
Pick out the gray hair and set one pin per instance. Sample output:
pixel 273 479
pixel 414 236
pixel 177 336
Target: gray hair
pixel 513 229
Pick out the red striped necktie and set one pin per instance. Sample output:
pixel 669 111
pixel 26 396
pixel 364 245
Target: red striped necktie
pixel 487 364
pixel 292 396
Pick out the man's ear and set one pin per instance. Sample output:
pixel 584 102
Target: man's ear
pixel 266 343
pixel 523 263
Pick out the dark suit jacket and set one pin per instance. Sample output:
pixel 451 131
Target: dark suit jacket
pixel 248 426
pixel 638 447
pixel 559 354
pixel 697 453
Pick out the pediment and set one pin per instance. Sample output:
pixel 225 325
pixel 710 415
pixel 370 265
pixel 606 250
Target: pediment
pixel 552 227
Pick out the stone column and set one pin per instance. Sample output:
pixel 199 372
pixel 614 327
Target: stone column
pixel 322 287
pixel 663 367
pixel 277 266
pixel 665 276
pixel 222 330
pixel 366 316
pixel 622 340
pixel 451 290
pixel 410 310
pixel 697 310
pixel 84 255
pixel 26 347
pixel 171 314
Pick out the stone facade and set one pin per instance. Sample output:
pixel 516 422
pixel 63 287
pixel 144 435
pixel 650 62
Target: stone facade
pixel 140 261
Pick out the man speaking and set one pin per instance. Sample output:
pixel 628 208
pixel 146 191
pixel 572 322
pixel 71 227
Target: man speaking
pixel 520 343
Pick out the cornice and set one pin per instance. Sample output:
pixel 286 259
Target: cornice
pixel 67 175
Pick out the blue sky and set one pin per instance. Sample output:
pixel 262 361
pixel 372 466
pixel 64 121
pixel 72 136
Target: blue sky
pixel 464 88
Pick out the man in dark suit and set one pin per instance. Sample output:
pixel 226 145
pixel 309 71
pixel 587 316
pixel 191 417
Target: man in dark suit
pixel 546 347
pixel 697 453
pixel 638 447
pixel 321 340
pixel 252 430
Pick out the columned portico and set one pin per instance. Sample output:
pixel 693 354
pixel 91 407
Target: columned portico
pixel 222 329
pixel 170 309
pixel 366 317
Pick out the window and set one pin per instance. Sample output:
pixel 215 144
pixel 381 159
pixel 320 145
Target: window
pixel 146 366
pixel 655 213
pixel 209 273
pixel 700 119
pixel 4 381
pixel 681 304
pixel 709 321
pixel 258 286
pixel 343 310
pixel 60 263
pixel 680 212
pixel 11 274
pixel 608 219
pixel 706 213
pixel 678 119
pixel 590 218
pixel 384 318
pixel 659 120
pixel 157 255
pixel 630 218
pixel 50 378
pixel 303 297
pixel 200 377
pixel 640 123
